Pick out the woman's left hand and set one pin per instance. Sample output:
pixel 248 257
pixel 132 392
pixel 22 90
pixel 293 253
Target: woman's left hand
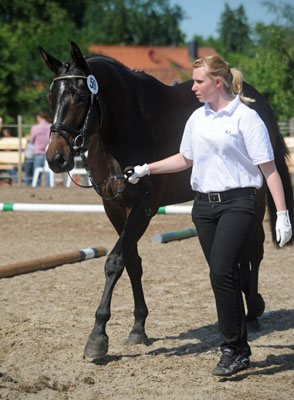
pixel 283 227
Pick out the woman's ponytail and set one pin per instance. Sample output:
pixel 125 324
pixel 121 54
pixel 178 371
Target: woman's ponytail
pixel 236 86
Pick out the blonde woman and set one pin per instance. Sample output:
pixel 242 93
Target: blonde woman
pixel 228 147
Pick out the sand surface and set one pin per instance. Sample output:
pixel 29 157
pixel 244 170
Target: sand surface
pixel 46 316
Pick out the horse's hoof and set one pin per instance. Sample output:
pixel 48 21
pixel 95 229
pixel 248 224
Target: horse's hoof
pixel 253 325
pixel 255 307
pixel 260 305
pixel 96 347
pixel 136 338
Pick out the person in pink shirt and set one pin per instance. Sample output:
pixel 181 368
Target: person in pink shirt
pixel 39 136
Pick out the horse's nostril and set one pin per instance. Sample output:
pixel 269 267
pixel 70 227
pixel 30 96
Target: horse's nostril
pixel 59 159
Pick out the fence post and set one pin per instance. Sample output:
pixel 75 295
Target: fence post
pixel 19 132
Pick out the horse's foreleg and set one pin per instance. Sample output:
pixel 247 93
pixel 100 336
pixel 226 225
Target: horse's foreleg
pixel 97 344
pixel 134 269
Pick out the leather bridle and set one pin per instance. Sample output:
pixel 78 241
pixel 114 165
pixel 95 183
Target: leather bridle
pixel 79 134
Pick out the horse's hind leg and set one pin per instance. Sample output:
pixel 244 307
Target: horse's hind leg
pixel 254 301
pixel 97 344
pixel 249 269
pixel 134 269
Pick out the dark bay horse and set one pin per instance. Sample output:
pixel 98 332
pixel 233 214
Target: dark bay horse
pixel 123 118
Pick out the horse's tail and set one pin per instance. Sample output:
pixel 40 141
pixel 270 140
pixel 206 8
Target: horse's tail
pixel 281 155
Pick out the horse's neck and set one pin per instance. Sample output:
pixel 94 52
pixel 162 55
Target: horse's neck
pixel 101 162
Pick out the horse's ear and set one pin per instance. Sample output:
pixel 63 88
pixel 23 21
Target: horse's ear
pixel 78 58
pixel 51 62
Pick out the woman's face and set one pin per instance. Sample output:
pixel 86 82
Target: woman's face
pixel 204 87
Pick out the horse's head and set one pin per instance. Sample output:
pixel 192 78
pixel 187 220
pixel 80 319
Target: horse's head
pixel 70 98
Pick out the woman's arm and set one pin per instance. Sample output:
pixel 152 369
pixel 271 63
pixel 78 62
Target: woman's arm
pixel 274 184
pixel 175 163
pixel 171 164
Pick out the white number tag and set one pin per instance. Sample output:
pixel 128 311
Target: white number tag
pixel 92 84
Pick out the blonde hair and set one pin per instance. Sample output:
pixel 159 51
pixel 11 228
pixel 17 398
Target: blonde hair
pixel 232 78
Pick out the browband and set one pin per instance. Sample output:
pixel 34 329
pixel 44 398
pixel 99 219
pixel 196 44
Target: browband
pixel 70 77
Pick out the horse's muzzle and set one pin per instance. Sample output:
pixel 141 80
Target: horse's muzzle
pixel 59 163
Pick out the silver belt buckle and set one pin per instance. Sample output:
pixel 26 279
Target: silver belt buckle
pixel 214 197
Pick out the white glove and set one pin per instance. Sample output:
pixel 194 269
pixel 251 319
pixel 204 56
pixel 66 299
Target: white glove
pixel 283 227
pixel 139 172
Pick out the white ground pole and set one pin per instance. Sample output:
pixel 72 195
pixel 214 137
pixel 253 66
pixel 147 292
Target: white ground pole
pixel 95 208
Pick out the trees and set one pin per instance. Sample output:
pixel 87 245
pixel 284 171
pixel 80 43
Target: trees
pixel 23 27
pixel 267 62
pixel 133 22
pixel 54 23
pixel 234 29
pixel 271 68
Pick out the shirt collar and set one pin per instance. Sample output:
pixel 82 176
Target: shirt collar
pixel 229 109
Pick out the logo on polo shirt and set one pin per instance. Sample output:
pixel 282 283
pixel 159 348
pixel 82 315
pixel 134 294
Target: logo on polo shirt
pixel 228 132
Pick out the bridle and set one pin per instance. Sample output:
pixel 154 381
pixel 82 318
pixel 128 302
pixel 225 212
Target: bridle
pixel 80 135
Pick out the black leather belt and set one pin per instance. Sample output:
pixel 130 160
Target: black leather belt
pixel 226 195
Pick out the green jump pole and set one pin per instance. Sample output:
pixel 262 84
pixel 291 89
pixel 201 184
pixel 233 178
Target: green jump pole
pixel 174 235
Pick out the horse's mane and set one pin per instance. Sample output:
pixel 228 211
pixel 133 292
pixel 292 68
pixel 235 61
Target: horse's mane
pixel 95 56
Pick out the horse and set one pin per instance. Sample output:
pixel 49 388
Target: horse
pixel 125 117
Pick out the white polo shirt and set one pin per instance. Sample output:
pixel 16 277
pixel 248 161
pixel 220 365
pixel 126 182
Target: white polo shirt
pixel 226 147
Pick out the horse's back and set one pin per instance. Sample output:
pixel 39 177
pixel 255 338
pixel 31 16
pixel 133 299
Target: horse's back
pixel 166 110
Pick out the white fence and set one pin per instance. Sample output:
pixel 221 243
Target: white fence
pixel 19 127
